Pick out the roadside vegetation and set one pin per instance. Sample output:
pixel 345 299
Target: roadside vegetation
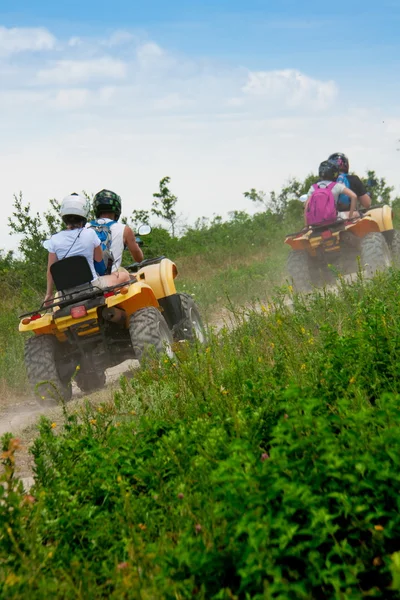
pixel 265 465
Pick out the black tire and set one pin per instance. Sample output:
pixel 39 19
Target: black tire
pixel 395 248
pixel 89 382
pixel 375 253
pixel 43 373
pixel 298 267
pixel 191 328
pixel 149 331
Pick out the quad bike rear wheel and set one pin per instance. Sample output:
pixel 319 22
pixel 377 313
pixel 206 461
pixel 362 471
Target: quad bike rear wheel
pixel 375 253
pixel 51 384
pixel 191 327
pixel 149 330
pixel 298 267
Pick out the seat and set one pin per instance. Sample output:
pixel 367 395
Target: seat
pixel 71 273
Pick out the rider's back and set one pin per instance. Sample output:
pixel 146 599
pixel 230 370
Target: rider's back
pixel 74 242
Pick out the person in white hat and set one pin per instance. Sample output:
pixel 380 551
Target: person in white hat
pixel 77 240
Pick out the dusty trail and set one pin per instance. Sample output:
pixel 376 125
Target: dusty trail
pixel 20 417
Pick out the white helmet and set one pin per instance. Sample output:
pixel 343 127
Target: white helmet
pixel 74 204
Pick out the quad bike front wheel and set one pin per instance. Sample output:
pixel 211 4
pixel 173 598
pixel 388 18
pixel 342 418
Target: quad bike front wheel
pixel 298 267
pixel 375 253
pixel 45 372
pixel 191 327
pixel 149 331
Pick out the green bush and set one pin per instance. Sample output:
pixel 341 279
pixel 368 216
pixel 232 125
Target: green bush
pixel 263 466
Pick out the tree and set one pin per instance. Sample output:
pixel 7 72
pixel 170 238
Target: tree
pixel 164 205
pixel 379 190
pixel 278 203
pixel 140 217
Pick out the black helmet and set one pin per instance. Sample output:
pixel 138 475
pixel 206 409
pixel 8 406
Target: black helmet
pixel 107 201
pixel 328 171
pixel 341 161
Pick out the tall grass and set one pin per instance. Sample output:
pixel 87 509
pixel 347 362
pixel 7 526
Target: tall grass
pixel 264 465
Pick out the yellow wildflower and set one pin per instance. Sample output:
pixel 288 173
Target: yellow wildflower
pixel 93 421
pixel 378 528
pixel 78 368
pixel 352 380
pixel 303 331
pixel 311 341
pixel 53 425
pixel 263 308
pixel 12 579
pixel 303 367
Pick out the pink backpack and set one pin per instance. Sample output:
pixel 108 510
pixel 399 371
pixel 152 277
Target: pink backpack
pixel 321 206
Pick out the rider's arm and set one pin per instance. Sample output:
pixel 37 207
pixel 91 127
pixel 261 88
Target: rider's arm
pixel 133 247
pixel 359 188
pixel 51 260
pixel 353 200
pixel 305 210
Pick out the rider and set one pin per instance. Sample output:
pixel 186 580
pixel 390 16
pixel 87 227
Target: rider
pixel 328 173
pixel 351 181
pixel 107 210
pixel 77 240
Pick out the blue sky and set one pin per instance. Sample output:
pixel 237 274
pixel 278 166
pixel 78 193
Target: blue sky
pixel 221 95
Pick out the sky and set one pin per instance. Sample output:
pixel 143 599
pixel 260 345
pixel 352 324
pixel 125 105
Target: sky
pixel 222 96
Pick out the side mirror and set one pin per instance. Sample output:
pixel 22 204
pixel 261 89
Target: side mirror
pixel 144 230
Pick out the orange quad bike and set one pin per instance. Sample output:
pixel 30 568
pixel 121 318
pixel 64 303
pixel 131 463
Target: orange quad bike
pixel 94 329
pixel 370 236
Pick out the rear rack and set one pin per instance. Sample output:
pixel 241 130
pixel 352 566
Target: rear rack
pixel 79 295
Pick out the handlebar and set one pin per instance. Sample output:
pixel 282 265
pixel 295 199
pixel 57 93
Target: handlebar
pixel 134 267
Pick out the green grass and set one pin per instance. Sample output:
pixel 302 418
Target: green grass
pixel 265 465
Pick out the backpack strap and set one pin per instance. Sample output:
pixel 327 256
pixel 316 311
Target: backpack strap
pixel 101 225
pixel 331 186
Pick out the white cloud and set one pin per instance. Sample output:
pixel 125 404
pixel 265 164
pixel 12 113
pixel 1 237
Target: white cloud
pixel 127 119
pixel 23 39
pixel 291 87
pixel 119 38
pixel 150 54
pixel 81 71
pixel 74 42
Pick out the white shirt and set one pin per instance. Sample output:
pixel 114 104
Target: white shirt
pixel 74 242
pixel 117 241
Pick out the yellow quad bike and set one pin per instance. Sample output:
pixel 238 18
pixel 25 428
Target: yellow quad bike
pixel 97 329
pixel 370 236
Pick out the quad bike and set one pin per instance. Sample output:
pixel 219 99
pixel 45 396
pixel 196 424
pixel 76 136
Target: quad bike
pixel 370 236
pixel 86 330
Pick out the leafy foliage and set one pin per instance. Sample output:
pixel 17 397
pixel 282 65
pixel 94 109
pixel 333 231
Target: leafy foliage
pixel 264 464
pixel 164 204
